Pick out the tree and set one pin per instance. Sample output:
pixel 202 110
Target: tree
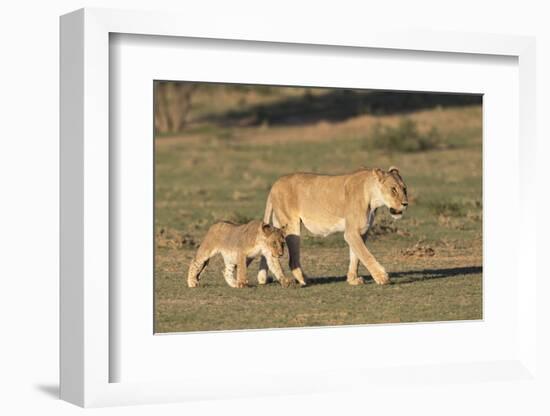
pixel 172 105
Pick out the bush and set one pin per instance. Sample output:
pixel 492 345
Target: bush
pixel 448 208
pixel 405 138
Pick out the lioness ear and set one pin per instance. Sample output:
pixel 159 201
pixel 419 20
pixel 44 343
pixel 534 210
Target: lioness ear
pixel 266 228
pixel 393 169
pixel 379 174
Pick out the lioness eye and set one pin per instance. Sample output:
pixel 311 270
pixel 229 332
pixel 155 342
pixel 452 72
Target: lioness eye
pixel 394 191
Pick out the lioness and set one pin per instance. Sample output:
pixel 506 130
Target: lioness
pixel 326 204
pixel 239 244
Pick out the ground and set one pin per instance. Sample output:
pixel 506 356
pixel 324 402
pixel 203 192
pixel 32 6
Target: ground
pixel 224 171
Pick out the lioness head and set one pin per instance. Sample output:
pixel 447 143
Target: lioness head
pixel 393 191
pixel 274 240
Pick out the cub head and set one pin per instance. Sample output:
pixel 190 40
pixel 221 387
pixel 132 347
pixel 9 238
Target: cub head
pixel 273 239
pixel 393 191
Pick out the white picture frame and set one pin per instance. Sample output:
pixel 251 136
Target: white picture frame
pixel 86 356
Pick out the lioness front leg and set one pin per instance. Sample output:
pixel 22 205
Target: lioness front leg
pixel 353 278
pixel 355 241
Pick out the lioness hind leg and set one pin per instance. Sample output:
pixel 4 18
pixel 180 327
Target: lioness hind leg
pixel 262 272
pixel 293 244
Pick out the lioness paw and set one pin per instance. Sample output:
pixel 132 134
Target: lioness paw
pixel 356 281
pixel 262 277
pixel 381 278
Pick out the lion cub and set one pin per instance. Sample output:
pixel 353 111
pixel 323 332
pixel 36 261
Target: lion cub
pixel 239 245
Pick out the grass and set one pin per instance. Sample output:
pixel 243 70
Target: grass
pixel 433 255
pixel 432 290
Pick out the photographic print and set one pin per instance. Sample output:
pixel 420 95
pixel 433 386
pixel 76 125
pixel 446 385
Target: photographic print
pixel 280 207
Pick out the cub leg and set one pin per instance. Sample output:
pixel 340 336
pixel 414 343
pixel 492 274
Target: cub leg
pixel 242 280
pixel 262 272
pixel 275 268
pixel 199 262
pixel 229 272
pixel 206 250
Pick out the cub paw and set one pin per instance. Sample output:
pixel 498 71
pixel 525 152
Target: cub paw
pixel 286 282
pixel 241 285
pixel 193 283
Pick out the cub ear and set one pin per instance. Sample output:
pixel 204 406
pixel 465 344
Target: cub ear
pixel 266 228
pixel 393 169
pixel 379 174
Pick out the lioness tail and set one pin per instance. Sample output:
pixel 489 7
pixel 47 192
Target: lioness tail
pixel 268 209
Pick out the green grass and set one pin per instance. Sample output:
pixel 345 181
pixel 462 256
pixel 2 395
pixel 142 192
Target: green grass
pixel 207 176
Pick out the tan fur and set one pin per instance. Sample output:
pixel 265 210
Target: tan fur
pixel 326 204
pixel 239 245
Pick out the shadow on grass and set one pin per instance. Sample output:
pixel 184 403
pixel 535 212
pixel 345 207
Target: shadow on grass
pixel 337 105
pixel 409 276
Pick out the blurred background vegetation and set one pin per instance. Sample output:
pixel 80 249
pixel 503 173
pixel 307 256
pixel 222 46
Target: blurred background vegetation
pixel 181 107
